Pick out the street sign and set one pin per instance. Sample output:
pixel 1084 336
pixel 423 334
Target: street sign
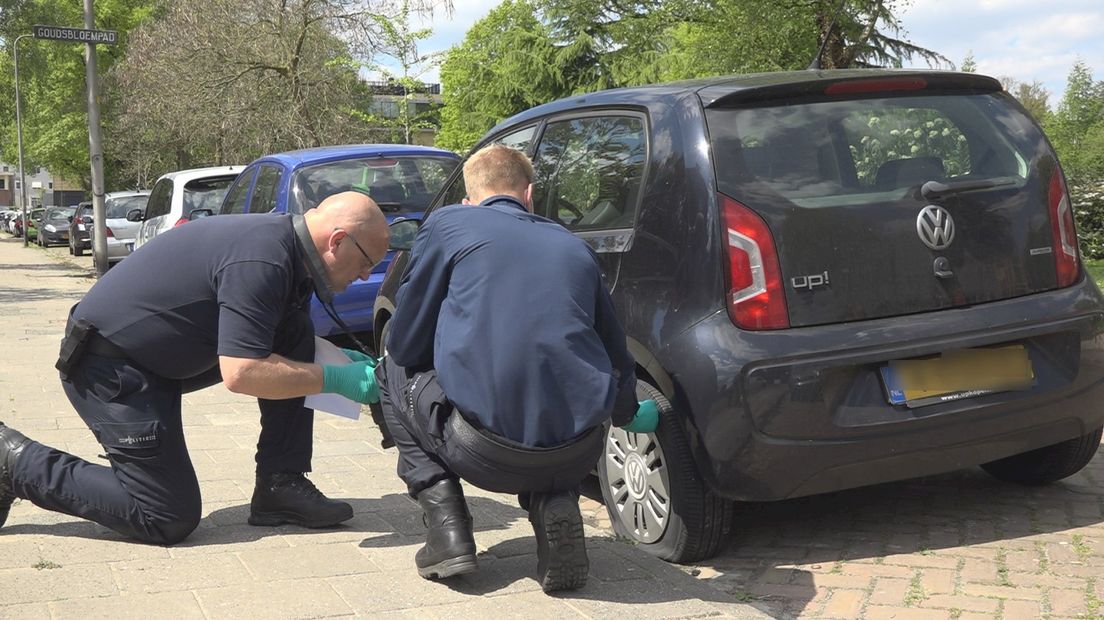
pixel 75 35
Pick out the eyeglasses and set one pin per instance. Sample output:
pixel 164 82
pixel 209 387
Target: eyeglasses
pixel 371 263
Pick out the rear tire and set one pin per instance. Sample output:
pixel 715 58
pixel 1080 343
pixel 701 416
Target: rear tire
pixel 1047 464
pixel 78 249
pixel 653 493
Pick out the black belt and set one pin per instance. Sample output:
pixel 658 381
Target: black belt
pixel 98 345
pixel 512 454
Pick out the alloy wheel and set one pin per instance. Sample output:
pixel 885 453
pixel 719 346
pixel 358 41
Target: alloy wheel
pixel 639 485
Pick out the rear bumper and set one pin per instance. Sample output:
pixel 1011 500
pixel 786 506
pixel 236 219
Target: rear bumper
pixel 783 414
pixel 118 249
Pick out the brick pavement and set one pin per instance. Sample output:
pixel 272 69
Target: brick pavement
pixel 960 545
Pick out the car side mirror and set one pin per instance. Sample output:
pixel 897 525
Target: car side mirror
pixel 70 219
pixel 87 219
pixel 199 214
pixel 135 215
pixel 403 232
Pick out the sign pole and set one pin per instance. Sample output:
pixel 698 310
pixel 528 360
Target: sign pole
pixel 90 37
pixel 95 150
pixel 19 138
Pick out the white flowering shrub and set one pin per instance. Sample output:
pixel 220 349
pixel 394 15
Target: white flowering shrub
pixel 1087 198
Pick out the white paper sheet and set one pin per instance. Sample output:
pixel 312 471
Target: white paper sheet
pixel 325 352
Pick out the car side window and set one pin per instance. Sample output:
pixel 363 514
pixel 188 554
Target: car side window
pixel 519 140
pixel 235 198
pixel 160 199
pixel 589 171
pixel 264 190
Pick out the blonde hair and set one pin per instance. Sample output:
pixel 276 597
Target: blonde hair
pixel 497 169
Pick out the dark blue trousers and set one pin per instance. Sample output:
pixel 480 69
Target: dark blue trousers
pixel 149 491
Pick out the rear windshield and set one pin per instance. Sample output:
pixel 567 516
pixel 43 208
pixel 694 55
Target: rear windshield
pixel 206 193
pixel 117 208
pixel 397 184
pixel 871 150
pixel 60 214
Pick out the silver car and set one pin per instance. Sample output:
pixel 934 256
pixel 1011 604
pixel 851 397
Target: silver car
pixel 120 230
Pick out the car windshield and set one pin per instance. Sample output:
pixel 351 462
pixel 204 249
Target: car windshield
pixel 117 208
pixel 397 184
pixel 206 193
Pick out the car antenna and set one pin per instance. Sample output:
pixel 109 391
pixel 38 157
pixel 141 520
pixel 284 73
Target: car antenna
pixel 815 65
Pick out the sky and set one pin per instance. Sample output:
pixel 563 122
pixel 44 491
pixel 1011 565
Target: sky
pixel 1027 40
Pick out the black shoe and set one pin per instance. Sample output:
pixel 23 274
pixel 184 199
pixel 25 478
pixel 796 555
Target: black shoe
pixel 287 497
pixel 450 545
pixel 12 443
pixel 562 562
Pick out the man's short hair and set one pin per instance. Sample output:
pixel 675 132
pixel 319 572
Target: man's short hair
pixel 497 169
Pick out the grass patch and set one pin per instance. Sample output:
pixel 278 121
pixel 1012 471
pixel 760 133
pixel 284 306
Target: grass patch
pixel 1096 270
pixel 1078 544
pixel 1002 568
pixel 915 594
pixel 45 565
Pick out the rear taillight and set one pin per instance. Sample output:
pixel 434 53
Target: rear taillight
pixel 108 232
pixel 756 299
pixel 1064 235
pixel 182 221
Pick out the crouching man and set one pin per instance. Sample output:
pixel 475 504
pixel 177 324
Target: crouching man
pixel 224 298
pixel 505 362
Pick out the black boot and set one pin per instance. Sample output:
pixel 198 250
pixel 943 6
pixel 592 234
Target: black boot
pixel 12 443
pixel 562 562
pixel 450 545
pixel 289 497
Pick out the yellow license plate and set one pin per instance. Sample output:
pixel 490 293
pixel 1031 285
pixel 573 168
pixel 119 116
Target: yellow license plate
pixel 963 373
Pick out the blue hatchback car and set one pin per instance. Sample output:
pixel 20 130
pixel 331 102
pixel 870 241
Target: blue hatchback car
pixel 402 179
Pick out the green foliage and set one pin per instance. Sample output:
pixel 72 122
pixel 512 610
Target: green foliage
pixel 1077 126
pixel 533 51
pixel 504 65
pixel 400 42
pixel 52 82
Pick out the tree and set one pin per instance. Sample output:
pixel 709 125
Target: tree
pixel 969 65
pixel 1034 96
pixel 224 81
pixel 399 42
pixel 52 83
pixel 1077 126
pixel 532 51
pixel 504 65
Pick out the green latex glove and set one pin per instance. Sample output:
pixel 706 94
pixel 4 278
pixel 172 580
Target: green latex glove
pixel 356 381
pixel 646 419
pixel 357 356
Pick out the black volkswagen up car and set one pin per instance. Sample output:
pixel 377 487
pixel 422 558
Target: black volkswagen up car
pixel 828 280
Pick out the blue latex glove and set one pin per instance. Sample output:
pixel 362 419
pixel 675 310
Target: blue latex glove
pixel 646 419
pixel 357 356
pixel 356 381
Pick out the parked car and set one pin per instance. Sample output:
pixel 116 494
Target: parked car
pixel 29 226
pixel 121 230
pixel 54 226
pixel 401 179
pixel 177 194
pixel 828 279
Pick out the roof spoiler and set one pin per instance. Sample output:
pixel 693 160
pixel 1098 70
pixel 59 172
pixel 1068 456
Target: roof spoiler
pixel 830 85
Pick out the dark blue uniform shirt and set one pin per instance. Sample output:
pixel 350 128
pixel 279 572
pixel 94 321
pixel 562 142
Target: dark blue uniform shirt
pixel 215 286
pixel 512 311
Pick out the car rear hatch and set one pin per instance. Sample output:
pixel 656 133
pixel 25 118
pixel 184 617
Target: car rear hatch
pixel 884 195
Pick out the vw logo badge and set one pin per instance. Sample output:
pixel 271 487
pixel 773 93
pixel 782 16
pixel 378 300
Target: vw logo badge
pixel 636 476
pixel 935 227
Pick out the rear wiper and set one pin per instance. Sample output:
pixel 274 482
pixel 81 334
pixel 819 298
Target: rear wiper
pixel 935 189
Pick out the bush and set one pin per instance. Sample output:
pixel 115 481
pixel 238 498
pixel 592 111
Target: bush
pixel 1087 198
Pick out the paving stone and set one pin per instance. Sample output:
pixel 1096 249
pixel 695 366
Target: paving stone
pixel 29 611
pixel 300 598
pixel 305 562
pixel 37 585
pixel 173 605
pixel 181 574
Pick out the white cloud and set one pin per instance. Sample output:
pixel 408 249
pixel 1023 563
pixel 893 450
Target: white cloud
pixel 1023 39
